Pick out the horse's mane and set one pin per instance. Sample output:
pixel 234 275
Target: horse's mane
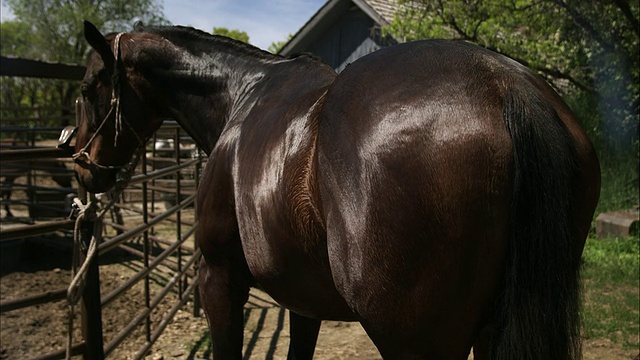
pixel 199 41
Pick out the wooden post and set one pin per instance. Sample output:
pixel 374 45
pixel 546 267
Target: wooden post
pixel 196 290
pixel 146 246
pixel 90 304
pixel 90 307
pixel 178 175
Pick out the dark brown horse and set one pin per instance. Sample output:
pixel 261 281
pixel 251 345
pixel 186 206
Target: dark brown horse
pixel 436 192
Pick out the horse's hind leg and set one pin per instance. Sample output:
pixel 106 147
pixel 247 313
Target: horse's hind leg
pixel 304 335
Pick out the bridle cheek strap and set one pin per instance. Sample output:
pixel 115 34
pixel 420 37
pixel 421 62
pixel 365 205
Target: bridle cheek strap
pixel 114 106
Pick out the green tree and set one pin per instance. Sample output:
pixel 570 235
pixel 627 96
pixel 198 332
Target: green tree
pixel 57 25
pixel 233 34
pixel 53 31
pixel 275 47
pixel 588 49
pixel 16 38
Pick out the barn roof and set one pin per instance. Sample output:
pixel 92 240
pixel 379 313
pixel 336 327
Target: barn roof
pixel 385 8
pixel 381 11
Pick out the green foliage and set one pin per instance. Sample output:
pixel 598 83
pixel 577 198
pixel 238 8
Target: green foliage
pixel 16 38
pixel 587 49
pixel 233 34
pixel 275 47
pixel 57 25
pixel 619 177
pixel 52 30
pixel 619 169
pixel 36 102
pixel 611 273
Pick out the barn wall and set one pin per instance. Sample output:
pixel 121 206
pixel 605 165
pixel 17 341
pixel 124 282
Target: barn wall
pixel 352 36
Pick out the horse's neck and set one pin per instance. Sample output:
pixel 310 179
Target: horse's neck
pixel 222 87
pixel 209 90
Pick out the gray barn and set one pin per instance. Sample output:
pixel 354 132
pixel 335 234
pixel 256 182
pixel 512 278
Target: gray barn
pixel 343 31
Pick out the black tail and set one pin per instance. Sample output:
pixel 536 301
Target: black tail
pixel 538 317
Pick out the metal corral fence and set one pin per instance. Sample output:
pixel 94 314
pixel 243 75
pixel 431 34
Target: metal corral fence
pixel 36 184
pixel 152 219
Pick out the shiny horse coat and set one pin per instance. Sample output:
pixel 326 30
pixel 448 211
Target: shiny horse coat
pixel 436 192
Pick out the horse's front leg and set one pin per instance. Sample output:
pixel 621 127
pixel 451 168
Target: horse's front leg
pixel 223 293
pixel 224 275
pixel 304 335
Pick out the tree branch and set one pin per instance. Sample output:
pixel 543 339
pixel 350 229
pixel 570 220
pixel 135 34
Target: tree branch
pixel 626 10
pixel 579 20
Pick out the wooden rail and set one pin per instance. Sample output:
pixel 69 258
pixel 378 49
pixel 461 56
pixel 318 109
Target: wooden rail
pixel 12 66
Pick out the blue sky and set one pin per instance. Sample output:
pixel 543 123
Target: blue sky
pixel 265 21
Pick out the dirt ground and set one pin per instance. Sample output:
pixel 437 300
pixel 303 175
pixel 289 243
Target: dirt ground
pixel 43 328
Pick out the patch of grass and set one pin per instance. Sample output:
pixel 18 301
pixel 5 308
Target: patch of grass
pixel 611 290
pixel 619 183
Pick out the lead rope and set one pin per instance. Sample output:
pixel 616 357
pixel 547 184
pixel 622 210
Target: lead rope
pixel 79 272
pixel 115 94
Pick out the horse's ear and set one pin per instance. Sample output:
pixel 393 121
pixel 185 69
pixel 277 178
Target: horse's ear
pixel 138 26
pixel 99 43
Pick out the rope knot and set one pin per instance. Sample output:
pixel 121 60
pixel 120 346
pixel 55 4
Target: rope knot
pixel 79 272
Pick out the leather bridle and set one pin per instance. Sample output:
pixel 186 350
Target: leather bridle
pixel 82 156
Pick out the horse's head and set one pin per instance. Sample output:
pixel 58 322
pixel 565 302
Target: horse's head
pixel 115 119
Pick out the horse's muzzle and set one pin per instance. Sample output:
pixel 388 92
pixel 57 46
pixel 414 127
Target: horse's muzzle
pixel 93 179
